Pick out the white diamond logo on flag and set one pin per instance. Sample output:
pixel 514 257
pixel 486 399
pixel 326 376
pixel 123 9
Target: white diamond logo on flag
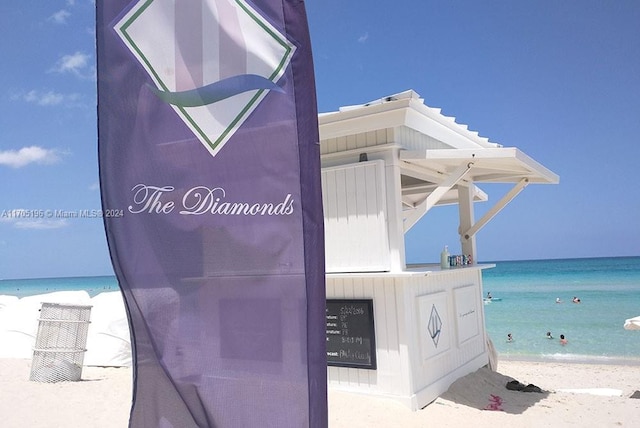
pixel 213 61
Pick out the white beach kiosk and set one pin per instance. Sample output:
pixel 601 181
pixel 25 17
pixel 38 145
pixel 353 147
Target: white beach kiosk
pixel 392 330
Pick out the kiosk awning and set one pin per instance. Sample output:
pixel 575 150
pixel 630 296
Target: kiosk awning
pixel 441 171
pixel 487 165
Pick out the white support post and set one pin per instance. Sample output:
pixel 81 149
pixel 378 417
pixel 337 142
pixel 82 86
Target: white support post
pixel 394 210
pixel 466 213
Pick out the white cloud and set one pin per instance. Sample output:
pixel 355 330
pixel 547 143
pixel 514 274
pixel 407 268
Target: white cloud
pixel 363 38
pixel 60 17
pixel 73 62
pixel 49 98
pixel 27 155
pixel 77 63
pixel 41 224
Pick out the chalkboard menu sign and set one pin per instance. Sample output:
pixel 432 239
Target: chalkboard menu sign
pixel 350 334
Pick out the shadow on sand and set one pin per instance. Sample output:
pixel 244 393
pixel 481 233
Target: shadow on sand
pixel 487 390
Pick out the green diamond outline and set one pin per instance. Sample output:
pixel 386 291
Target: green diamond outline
pixel 258 19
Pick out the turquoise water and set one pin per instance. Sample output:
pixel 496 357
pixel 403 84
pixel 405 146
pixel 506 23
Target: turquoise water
pixel 94 285
pixel 609 289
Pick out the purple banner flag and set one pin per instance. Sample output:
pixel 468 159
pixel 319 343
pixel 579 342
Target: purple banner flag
pixel 210 178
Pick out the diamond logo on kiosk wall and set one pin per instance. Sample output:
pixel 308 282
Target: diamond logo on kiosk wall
pixel 213 61
pixel 435 325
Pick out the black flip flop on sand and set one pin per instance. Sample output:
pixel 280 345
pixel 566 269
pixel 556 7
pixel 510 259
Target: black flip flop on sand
pixel 531 388
pixel 514 385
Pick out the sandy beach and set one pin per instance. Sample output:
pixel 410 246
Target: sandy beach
pixel 574 395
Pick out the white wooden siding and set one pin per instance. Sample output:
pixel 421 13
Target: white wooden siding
pixel 403 373
pixel 355 216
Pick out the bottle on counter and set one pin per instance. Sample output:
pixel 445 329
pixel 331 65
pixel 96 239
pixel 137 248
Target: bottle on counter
pixel 444 258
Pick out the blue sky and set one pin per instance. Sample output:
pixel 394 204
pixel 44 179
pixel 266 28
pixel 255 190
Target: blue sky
pixel 560 80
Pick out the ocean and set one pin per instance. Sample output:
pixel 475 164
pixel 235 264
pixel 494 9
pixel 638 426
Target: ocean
pixel 524 304
pixel 609 293
pixel 94 285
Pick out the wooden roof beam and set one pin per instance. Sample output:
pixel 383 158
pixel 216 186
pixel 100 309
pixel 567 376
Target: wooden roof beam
pixel 451 180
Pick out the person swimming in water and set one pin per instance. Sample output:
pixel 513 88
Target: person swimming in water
pixel 549 336
pixel 563 341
